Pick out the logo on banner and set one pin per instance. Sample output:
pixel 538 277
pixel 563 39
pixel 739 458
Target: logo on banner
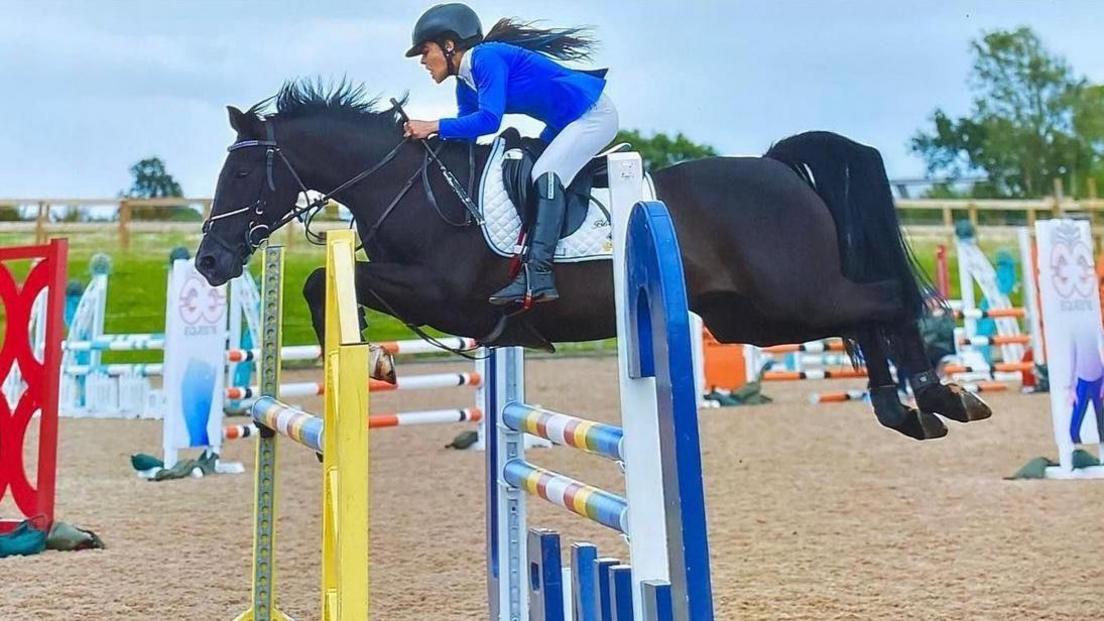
pixel 1071 268
pixel 200 305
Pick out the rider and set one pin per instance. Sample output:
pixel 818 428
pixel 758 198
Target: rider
pixel 513 69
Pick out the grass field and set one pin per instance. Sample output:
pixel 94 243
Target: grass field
pixel 136 291
pixel 137 286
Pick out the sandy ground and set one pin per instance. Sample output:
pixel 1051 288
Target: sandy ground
pixel 815 512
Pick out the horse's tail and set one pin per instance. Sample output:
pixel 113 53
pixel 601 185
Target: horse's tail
pixel 851 179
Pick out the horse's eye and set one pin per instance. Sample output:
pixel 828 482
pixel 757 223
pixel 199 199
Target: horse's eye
pixel 242 172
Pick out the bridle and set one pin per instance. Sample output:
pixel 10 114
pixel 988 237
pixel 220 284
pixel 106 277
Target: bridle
pixel 258 231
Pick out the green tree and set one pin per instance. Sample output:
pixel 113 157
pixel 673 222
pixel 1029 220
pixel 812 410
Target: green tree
pixel 661 150
pixel 151 180
pixel 1032 120
pixel 10 213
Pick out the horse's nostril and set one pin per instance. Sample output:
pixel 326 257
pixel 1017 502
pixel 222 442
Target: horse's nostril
pixel 207 262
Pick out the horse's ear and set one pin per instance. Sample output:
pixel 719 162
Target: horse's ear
pixel 241 122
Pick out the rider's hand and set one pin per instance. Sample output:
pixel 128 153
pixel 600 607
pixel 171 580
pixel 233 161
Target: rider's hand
pixel 419 129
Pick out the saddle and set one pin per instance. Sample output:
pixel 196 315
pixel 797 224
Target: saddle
pixel 517 166
pixel 585 236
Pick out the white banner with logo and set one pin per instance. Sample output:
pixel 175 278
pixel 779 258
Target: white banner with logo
pixel 195 357
pixel 1074 337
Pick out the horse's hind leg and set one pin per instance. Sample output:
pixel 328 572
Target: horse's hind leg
pixel 865 303
pixel 932 396
pixel 888 408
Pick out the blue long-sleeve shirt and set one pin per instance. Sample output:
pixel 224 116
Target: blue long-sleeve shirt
pixel 507 79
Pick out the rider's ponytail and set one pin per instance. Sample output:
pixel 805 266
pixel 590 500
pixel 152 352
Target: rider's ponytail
pixel 560 43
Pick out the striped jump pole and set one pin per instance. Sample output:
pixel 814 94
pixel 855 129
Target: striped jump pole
pixel 812 374
pixel 398 348
pixel 411 382
pixel 822 360
pixel 843 396
pixel 839 396
pixel 985 387
pixel 306 429
pixel 992 313
pixel 995 340
pixel 427 417
pixel 565 430
pixel 118 342
pixel 412 347
pixel 813 347
pixel 607 509
pixel 1006 367
pixel 138 369
pixel 237 432
pixel 289 352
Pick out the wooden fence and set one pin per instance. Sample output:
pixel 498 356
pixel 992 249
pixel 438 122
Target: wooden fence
pixel 921 217
pixel 46 221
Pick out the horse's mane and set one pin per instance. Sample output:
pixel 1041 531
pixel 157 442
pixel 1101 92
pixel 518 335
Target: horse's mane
pixel 303 97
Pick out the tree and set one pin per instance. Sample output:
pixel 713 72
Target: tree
pixel 1033 120
pixel 10 213
pixel 660 150
pixel 151 180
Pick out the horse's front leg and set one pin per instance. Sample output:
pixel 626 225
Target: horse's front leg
pixel 412 294
pixel 403 291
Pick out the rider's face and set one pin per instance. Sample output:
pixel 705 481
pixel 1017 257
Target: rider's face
pixel 433 58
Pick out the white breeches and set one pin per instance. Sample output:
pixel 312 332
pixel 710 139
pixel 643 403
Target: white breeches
pixel 579 141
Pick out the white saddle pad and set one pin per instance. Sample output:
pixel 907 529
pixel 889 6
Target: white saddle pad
pixel 501 226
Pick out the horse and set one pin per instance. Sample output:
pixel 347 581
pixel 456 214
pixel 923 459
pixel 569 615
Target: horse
pixel 800 244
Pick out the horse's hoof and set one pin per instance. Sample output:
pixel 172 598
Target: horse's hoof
pixel 922 426
pixel 382 365
pixel 902 418
pixel 976 408
pixel 953 402
pixel 919 425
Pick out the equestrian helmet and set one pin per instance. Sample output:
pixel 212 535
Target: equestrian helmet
pixel 443 19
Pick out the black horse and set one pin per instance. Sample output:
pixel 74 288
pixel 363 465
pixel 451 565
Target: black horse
pixel 800 244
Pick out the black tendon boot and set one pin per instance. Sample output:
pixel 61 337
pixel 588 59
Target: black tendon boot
pixel 535 278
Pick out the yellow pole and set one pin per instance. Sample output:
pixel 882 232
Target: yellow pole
pixel 345 458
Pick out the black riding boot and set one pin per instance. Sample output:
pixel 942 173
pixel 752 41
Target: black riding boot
pixel 535 278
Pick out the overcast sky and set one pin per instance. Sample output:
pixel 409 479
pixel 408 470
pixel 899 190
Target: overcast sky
pixel 88 88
